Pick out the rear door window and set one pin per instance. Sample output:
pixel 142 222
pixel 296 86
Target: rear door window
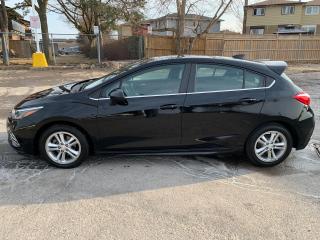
pixel 211 77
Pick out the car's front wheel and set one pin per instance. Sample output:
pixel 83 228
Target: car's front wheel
pixel 63 146
pixel 269 145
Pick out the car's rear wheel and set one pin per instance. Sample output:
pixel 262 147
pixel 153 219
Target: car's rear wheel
pixel 63 146
pixel 269 145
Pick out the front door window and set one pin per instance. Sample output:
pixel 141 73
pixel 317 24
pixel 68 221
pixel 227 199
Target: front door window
pixel 158 80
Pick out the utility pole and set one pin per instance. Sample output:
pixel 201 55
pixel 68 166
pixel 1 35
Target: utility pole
pixel 35 29
pixel 5 33
pixel 244 25
pixel 96 31
pixel 38 58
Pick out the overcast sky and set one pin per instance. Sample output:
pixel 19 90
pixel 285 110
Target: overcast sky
pixel 58 24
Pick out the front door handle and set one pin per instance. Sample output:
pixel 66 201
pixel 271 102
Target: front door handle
pixel 168 107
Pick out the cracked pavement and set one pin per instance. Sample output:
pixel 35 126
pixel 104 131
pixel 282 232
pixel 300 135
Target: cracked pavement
pixel 153 197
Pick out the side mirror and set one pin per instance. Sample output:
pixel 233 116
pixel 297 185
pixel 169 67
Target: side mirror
pixel 117 96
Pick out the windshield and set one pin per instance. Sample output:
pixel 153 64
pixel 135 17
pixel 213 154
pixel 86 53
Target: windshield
pixel 98 81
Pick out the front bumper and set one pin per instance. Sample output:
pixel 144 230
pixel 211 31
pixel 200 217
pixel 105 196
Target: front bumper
pixel 13 141
pixel 21 140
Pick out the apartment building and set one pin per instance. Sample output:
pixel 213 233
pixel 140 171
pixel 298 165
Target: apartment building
pixel 282 17
pixel 167 25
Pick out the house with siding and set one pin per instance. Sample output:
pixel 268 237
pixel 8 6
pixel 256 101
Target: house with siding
pixel 18 26
pixel 167 25
pixel 282 17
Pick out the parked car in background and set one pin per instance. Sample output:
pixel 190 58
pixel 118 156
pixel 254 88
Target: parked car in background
pixel 168 105
pixel 70 50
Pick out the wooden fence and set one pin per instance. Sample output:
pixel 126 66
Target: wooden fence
pixel 288 48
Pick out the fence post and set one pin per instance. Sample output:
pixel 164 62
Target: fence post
pixel 146 49
pixel 223 44
pixel 277 47
pixel 98 49
pixel 300 48
pixel 205 45
pixel 53 50
pixel 140 47
pixel 251 50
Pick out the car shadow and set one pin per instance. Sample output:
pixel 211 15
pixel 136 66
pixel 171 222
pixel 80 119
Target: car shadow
pixel 27 179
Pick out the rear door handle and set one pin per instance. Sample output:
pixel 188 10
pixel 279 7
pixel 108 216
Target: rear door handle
pixel 168 107
pixel 248 100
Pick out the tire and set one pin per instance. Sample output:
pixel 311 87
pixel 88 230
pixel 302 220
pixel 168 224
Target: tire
pixel 72 152
pixel 258 149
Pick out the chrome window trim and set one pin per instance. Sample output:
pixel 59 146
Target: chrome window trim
pixel 143 96
pixel 190 93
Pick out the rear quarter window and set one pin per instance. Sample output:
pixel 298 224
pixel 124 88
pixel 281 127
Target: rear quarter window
pixel 211 77
pixel 253 80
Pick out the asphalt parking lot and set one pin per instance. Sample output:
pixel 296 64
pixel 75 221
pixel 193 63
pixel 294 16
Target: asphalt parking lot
pixel 148 197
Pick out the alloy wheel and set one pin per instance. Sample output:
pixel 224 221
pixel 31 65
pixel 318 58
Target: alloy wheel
pixel 63 147
pixel 270 146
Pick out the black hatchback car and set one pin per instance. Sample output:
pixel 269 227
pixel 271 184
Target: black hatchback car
pixel 168 105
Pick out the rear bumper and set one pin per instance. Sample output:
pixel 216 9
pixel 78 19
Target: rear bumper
pixel 305 128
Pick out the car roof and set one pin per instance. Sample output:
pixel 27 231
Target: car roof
pixel 270 68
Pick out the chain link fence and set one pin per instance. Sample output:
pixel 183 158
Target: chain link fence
pixel 71 49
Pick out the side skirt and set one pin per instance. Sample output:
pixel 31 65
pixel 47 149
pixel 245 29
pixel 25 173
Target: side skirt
pixel 171 152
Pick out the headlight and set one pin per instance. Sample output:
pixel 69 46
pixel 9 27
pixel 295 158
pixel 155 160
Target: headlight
pixel 25 112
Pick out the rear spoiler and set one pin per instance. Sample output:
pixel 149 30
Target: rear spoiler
pixel 277 66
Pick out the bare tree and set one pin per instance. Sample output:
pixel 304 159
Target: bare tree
pixel 41 8
pixel 84 14
pixel 185 7
pixel 181 13
pixel 222 7
pixel 4 37
pixel 244 25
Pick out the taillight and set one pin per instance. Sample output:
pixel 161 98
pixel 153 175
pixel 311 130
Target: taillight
pixel 303 98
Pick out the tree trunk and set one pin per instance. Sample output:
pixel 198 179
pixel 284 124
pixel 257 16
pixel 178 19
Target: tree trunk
pixel 181 11
pixel 91 46
pixel 5 48
pixel 44 29
pixel 190 45
pixel 4 37
pixel 245 16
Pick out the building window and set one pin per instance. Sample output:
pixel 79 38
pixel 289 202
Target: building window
pixel 287 10
pixel 312 10
pixel 310 28
pixel 257 30
pixel 259 11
